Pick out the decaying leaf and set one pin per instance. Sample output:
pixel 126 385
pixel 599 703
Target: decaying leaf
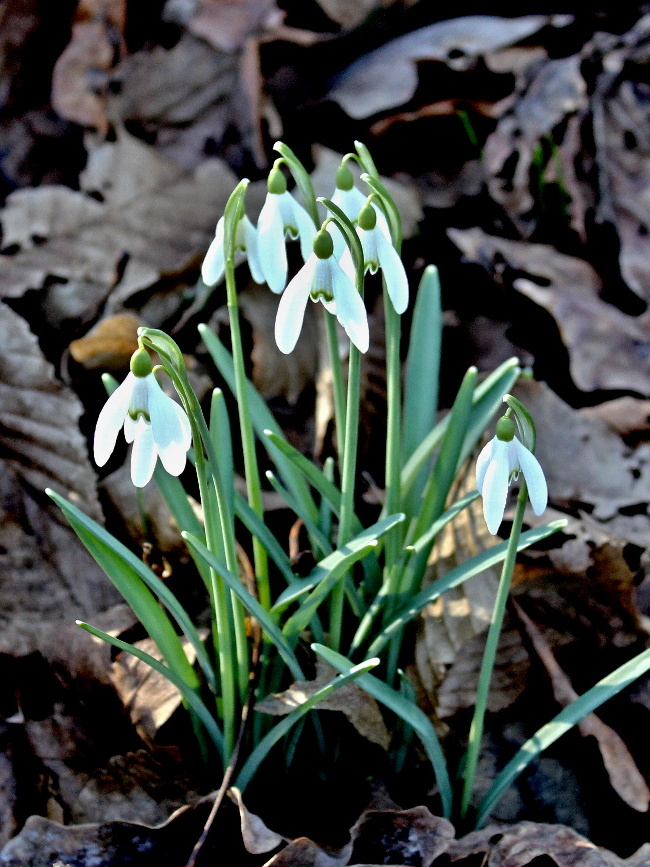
pixel 360 708
pixel 152 219
pixel 227 24
pixel 518 845
pixel 388 77
pixel 256 836
pixel 608 349
pixel 412 836
pixel 109 345
pixel 350 15
pixel 624 775
pixel 80 78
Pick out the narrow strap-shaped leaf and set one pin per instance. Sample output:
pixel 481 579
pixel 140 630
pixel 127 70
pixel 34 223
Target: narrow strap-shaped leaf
pixel 191 697
pixel 262 420
pixel 135 581
pixel 251 604
pixel 280 729
pixel 486 400
pixel 318 538
pixel 458 576
pixel 405 710
pixel 222 439
pixel 560 724
pixel 322 569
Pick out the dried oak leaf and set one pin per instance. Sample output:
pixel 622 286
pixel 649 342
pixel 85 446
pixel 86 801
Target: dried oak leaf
pixel 360 708
pixel 136 210
pixel 518 845
pixel 387 77
pixel 47 572
pixel 608 349
pixel 412 836
pixel 80 77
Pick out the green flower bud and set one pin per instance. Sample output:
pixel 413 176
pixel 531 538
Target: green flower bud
pixel 344 178
pixel 141 365
pixel 323 244
pixel 367 217
pixel 276 182
pixel 505 429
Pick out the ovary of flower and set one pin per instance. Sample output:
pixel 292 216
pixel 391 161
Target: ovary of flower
pixel 246 247
pixel 322 279
pixel 281 217
pixel 155 424
pixel 498 463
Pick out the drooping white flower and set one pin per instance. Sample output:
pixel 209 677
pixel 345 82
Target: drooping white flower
pixel 155 424
pixel 322 279
pixel 378 252
pixel 246 247
pixel 281 217
pixel 502 459
pixel 351 201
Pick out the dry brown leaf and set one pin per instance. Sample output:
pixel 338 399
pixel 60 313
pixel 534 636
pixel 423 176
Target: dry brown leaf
pixel 387 77
pixel 109 345
pixel 412 836
pixel 360 708
pixel 624 775
pixel 348 14
pixel 153 218
pixel 608 348
pixel 227 24
pixel 80 77
pixel 257 838
pixel 623 415
pixel 303 852
pixel 518 845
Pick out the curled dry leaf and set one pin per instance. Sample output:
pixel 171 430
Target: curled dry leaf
pixel 518 845
pixel 624 775
pixel 256 836
pixel 412 836
pixel 109 345
pixel 151 219
pixel 227 24
pixel 360 708
pixel 608 348
pixel 387 77
pixel 80 78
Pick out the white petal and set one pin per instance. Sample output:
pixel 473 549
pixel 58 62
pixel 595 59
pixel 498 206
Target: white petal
pixel 534 476
pixel 306 229
pixel 168 431
pixel 350 309
pixel 482 463
pixel 271 247
pixel 370 251
pixel 339 241
pixel 250 239
pixel 291 310
pixel 350 202
pixel 394 273
pixel 347 264
pixel 495 486
pixel 143 457
pixel 213 264
pixel 111 419
pixel 129 429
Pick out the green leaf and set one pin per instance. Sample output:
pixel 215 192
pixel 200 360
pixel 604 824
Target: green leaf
pixel 560 724
pixel 317 536
pixel 191 697
pixel 323 568
pixel 251 604
pixel 405 710
pixel 135 581
pixel 254 524
pixel 262 420
pixel 458 576
pixel 280 729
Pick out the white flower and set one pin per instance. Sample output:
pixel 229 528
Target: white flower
pixel 155 424
pixel 378 252
pixel 322 279
pixel 281 217
pixel 245 248
pixel 498 463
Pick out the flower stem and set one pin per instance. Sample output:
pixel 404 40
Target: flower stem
pixel 489 655
pixel 393 431
pixel 338 387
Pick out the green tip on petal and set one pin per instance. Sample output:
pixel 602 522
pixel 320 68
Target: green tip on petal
pixel 505 429
pixel 323 244
pixel 141 365
pixel 276 183
pixel 344 178
pixel 367 217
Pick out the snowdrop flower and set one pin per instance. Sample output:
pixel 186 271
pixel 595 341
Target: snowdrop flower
pixel 245 248
pixel 281 217
pixel 321 279
pixel 155 424
pixel 378 252
pixel 502 459
pixel 351 201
